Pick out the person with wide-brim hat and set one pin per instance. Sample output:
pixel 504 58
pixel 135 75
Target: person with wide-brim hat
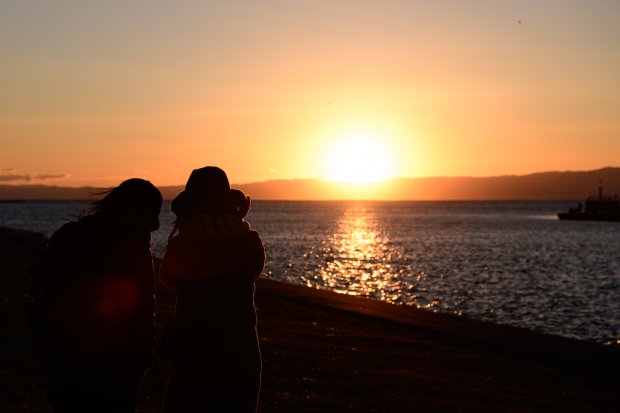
pixel 213 259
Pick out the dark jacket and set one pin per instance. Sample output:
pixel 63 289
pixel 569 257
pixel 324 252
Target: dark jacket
pixel 94 302
pixel 215 316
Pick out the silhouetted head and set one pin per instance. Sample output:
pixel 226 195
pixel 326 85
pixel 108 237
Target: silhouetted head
pixel 135 204
pixel 208 190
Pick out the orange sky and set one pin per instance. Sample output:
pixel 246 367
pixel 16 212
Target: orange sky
pixel 96 93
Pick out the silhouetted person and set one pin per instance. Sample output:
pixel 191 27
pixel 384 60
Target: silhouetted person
pixel 93 312
pixel 213 259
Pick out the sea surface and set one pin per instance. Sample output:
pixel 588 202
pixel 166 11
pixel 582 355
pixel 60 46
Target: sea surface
pixel 508 262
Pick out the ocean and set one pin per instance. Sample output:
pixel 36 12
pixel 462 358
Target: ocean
pixel 507 262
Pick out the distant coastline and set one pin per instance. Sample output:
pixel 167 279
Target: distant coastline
pixel 552 186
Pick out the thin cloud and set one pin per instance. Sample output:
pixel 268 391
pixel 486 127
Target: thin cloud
pixel 43 177
pixel 9 175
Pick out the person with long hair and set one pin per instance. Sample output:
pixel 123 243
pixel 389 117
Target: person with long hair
pixel 93 310
pixel 213 259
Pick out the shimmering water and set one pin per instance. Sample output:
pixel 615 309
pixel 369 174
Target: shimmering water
pixel 509 262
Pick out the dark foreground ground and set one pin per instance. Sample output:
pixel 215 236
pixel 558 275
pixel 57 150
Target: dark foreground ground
pixel 324 352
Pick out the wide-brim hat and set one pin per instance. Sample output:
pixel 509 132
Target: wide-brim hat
pixel 204 185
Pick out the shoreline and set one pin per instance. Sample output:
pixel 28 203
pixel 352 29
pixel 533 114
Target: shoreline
pixel 324 351
pixel 480 332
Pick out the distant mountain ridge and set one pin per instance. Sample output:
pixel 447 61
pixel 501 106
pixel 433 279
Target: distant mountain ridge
pixel 569 185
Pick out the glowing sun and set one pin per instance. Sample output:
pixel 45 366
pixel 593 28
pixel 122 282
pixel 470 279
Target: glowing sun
pixel 359 159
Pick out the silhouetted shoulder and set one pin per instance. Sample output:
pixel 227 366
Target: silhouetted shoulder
pixel 255 238
pixel 71 234
pixel 67 246
pixel 189 260
pixel 64 234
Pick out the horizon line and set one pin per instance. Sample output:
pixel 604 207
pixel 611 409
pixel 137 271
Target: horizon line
pixel 351 184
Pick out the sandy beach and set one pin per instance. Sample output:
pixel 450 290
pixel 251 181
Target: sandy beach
pixel 329 352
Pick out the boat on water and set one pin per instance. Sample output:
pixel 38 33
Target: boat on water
pixel 595 208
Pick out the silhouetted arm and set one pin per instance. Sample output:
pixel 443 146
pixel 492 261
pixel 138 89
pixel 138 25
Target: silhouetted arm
pixel 256 256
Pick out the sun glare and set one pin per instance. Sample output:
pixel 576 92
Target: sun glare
pixel 359 159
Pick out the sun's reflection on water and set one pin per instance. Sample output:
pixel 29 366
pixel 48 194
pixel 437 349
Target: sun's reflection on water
pixel 358 259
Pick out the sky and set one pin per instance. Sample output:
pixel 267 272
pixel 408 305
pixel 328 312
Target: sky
pixel 92 92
